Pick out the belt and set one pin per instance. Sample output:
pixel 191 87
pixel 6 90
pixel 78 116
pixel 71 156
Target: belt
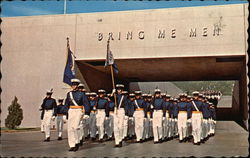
pixel 182 112
pixel 59 114
pixel 76 107
pixel 198 112
pixel 93 111
pixel 139 109
pixel 148 112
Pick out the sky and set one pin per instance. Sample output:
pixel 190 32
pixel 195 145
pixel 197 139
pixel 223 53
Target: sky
pixel 47 7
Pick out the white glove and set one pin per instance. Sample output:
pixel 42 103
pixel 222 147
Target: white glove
pixel 214 122
pixel 175 119
pixel 145 119
pixel 189 120
pixel 130 118
pixel 151 106
pixel 150 119
pixel 113 91
pixel 106 118
pixel 64 118
pixel 53 118
pixel 126 117
pixel 164 118
pixel 86 116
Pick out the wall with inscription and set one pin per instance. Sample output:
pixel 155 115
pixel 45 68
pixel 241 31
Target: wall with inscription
pixel 193 31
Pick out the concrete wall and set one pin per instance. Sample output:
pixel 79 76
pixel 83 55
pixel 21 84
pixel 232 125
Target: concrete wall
pixel 34 48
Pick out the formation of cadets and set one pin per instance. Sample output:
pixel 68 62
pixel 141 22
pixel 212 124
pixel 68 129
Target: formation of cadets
pixel 136 116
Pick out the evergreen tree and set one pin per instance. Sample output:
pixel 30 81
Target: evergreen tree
pixel 15 115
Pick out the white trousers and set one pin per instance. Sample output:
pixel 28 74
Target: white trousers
pixel 182 125
pixel 74 117
pixel 42 125
pixel 139 118
pixel 166 126
pixel 92 124
pixel 204 128
pixel 157 125
pixel 196 126
pixel 100 118
pixel 125 127
pixel 171 127
pixel 59 125
pixel 119 125
pixel 47 122
pixel 110 125
pixel 131 127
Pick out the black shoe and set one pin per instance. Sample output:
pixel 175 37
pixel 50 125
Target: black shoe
pixel 198 143
pixel 93 139
pixel 156 142
pixel 76 147
pixel 120 144
pixel 47 139
pixel 117 146
pixel 59 138
pixel 203 141
pixel 101 140
pixel 81 142
pixel 72 149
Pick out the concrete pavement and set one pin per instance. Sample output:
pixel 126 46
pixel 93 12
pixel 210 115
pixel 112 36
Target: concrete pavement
pixel 230 140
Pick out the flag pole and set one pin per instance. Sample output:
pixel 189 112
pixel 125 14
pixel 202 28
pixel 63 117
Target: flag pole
pixel 113 80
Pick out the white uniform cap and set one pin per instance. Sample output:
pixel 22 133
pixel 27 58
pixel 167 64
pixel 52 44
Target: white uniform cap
pixel 144 95
pixel 138 92
pixel 168 95
pixel 75 80
pixel 131 94
pixel 101 91
pixel 163 94
pixel 119 86
pixel 149 95
pixel 92 93
pixel 81 85
pixel 87 93
pixel 125 92
pixel 195 92
pixel 157 90
pixel 49 91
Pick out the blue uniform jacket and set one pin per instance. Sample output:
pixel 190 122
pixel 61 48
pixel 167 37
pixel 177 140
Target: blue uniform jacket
pixel 199 105
pixel 130 108
pixel 92 104
pixel 148 109
pixel 189 110
pixel 206 111
pixel 80 98
pixel 175 111
pixel 102 103
pixel 48 104
pixel 168 107
pixel 213 113
pixel 159 104
pixel 123 103
pixel 111 106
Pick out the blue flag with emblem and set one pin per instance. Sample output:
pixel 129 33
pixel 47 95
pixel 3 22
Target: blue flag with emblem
pixel 110 60
pixel 69 72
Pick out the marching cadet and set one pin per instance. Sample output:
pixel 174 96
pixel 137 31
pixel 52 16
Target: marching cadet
pixel 84 123
pixel 175 114
pixel 77 103
pixel 61 115
pixel 196 118
pixel 92 116
pixel 139 113
pixel 110 128
pixel 189 114
pixel 149 115
pixel 125 123
pixel 119 116
pixel 131 110
pixel 164 121
pixel 171 118
pixel 102 113
pixel 182 118
pixel 206 115
pixel 212 119
pixel 158 116
pixel 167 121
pixel 145 137
pixel 49 107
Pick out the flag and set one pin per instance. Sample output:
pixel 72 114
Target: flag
pixel 110 60
pixel 69 72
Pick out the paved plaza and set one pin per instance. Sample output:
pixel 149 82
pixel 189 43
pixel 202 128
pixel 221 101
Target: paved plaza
pixel 230 140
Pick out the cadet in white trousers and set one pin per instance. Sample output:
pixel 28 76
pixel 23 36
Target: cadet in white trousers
pixel 77 103
pixel 49 107
pixel 125 122
pixel 92 116
pixel 182 118
pixel 61 114
pixel 102 114
pixel 189 112
pixel 159 111
pixel 119 115
pixel 139 113
pixel 110 126
pixel 196 118
pixel 167 129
